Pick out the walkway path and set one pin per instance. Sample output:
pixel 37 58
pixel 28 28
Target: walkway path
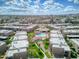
pixel 45 57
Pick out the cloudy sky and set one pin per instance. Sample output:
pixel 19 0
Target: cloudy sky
pixel 38 7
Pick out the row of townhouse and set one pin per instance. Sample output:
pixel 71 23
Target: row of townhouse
pixel 59 47
pixel 19 45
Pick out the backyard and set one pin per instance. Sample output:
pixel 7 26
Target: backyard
pixel 34 51
pixel 37 51
pixel 73 51
pixel 8 42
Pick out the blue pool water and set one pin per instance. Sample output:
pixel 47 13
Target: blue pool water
pixel 41 35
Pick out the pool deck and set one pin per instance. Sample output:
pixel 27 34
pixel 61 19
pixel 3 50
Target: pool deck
pixel 37 36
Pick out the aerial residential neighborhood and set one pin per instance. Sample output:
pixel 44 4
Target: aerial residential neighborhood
pixel 39 29
pixel 55 39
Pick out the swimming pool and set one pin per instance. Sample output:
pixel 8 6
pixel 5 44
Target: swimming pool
pixel 41 34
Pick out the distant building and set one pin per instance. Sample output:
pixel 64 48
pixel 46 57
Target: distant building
pixel 19 27
pixel 3 38
pixel 4 34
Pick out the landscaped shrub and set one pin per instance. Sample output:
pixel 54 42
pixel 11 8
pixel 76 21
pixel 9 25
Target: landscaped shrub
pixel 46 42
pixel 9 40
pixel 73 54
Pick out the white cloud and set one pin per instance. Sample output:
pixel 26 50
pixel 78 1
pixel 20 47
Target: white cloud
pixel 24 7
pixel 74 1
pixel 69 8
pixel 21 3
pixel 70 0
pixel 53 7
pixel 11 2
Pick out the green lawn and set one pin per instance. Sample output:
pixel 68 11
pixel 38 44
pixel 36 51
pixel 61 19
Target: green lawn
pixel 73 51
pixel 9 40
pixel 34 52
pixel 46 43
pixel 48 54
pixel 46 46
pixel 30 35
